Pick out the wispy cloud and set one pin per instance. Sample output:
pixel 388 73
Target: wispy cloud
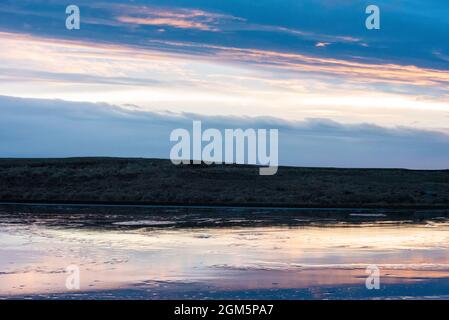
pixel 357 70
pixel 285 25
pixel 160 75
pixel 176 23
pixel 176 17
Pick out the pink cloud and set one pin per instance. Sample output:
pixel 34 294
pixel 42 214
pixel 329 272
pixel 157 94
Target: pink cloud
pixel 176 18
pixel 176 23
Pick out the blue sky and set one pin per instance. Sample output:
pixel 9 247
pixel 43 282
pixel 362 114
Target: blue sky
pixel 413 31
pixel 302 63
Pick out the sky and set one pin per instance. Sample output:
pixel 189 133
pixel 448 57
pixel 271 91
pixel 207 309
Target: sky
pixel 340 94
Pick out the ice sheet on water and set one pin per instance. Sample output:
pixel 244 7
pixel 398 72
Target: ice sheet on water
pixel 144 223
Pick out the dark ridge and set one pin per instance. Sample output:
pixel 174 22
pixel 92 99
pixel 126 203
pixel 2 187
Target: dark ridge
pixel 159 182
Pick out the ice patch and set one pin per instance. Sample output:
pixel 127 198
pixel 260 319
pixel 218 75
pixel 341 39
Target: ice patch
pixel 144 223
pixel 367 215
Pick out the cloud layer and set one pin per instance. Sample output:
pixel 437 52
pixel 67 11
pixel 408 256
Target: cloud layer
pixel 56 128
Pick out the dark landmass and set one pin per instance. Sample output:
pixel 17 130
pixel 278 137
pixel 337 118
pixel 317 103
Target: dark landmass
pixel 154 181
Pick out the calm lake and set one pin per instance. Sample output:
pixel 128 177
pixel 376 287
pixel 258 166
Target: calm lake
pixel 207 253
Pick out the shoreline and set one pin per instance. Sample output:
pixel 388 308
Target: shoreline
pixel 143 204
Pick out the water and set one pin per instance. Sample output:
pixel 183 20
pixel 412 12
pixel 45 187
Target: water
pixel 223 253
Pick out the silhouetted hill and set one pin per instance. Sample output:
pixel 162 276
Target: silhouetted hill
pixel 153 181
